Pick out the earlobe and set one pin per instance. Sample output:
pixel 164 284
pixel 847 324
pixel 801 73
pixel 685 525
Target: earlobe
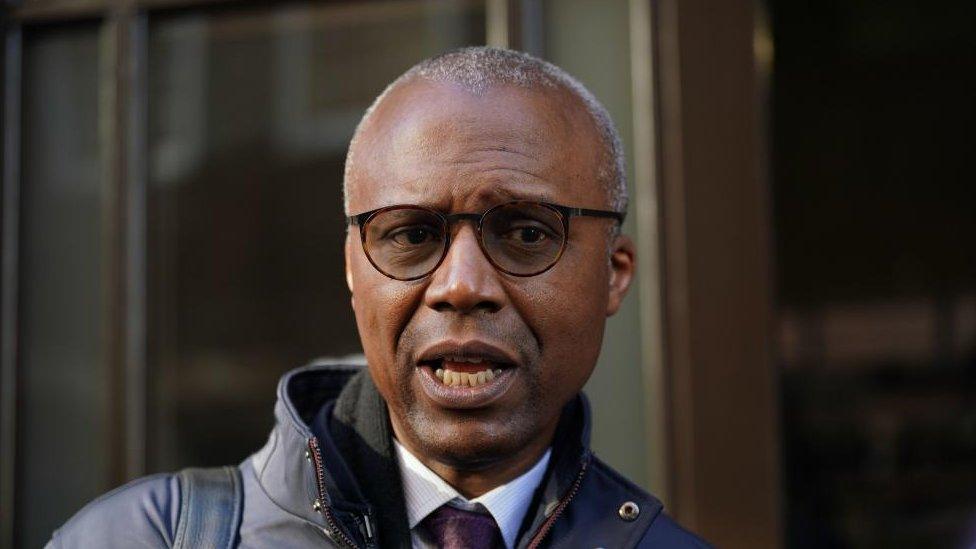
pixel 349 283
pixel 622 266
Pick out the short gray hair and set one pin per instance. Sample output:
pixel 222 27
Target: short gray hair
pixel 478 69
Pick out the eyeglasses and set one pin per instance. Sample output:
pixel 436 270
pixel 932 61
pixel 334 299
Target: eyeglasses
pixel 520 238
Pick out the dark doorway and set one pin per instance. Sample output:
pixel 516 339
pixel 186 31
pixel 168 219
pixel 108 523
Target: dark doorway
pixel 873 113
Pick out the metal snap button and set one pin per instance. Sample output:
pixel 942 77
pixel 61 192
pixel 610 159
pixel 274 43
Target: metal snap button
pixel 629 511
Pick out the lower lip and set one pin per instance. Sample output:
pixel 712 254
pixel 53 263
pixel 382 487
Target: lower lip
pixel 461 397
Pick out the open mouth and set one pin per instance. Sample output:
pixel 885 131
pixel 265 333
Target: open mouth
pixel 468 374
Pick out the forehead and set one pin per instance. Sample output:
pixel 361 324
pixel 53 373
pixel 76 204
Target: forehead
pixel 440 145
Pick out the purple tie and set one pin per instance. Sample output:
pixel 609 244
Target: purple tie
pixel 453 528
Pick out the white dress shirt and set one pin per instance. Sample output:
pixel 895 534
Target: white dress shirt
pixel 424 492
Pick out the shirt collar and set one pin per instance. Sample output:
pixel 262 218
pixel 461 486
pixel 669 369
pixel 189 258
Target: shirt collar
pixel 424 492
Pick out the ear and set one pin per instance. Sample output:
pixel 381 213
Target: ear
pixel 622 266
pixel 348 254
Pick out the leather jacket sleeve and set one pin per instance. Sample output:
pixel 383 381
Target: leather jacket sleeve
pixel 142 513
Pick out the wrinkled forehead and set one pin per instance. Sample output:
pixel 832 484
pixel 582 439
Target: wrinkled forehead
pixel 441 145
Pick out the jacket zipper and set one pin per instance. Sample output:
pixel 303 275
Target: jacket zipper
pixel 563 503
pixel 320 506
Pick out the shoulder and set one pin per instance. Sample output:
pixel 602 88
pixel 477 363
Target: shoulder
pixel 654 528
pixel 142 513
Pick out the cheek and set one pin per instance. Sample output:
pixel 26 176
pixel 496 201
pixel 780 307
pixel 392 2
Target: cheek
pixel 382 306
pixel 566 308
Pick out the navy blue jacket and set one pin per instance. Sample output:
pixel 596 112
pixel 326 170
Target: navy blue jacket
pixel 328 476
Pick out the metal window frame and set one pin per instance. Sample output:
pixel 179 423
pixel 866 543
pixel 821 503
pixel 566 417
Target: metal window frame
pixel 12 41
pixel 123 135
pixel 717 298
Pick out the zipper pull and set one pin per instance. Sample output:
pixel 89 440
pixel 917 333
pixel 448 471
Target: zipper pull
pixel 367 530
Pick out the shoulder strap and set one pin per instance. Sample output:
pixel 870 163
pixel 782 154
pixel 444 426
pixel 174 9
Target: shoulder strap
pixel 210 508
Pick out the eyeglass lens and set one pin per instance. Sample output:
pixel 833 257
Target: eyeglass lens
pixel 520 238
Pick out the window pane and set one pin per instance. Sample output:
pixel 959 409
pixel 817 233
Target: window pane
pixel 251 111
pixel 62 402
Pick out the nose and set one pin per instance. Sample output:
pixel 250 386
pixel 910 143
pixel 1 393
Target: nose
pixel 465 281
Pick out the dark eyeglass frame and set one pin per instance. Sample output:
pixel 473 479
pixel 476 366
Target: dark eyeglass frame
pixel 563 212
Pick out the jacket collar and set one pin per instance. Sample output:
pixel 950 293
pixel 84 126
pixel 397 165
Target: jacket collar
pixel 359 463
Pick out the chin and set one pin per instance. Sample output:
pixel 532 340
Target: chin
pixel 470 442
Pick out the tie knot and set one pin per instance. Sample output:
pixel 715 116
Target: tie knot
pixel 453 528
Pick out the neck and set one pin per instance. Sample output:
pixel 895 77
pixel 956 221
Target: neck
pixel 475 480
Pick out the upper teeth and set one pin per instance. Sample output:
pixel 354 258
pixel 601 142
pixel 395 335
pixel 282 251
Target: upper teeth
pixel 452 378
pixel 470 359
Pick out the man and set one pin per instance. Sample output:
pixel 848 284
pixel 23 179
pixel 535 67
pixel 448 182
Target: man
pixel 484 191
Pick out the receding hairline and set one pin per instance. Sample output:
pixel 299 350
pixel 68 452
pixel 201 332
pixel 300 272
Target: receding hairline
pixel 482 69
pixel 556 104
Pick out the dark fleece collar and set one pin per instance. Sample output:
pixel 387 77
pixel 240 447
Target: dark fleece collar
pixel 360 427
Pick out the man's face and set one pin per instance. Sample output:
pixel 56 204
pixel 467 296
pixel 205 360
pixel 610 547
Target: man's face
pixel 439 146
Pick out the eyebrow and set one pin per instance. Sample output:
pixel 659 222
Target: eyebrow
pixel 504 193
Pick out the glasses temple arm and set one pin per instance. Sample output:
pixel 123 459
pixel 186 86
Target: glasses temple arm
pixel 597 213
